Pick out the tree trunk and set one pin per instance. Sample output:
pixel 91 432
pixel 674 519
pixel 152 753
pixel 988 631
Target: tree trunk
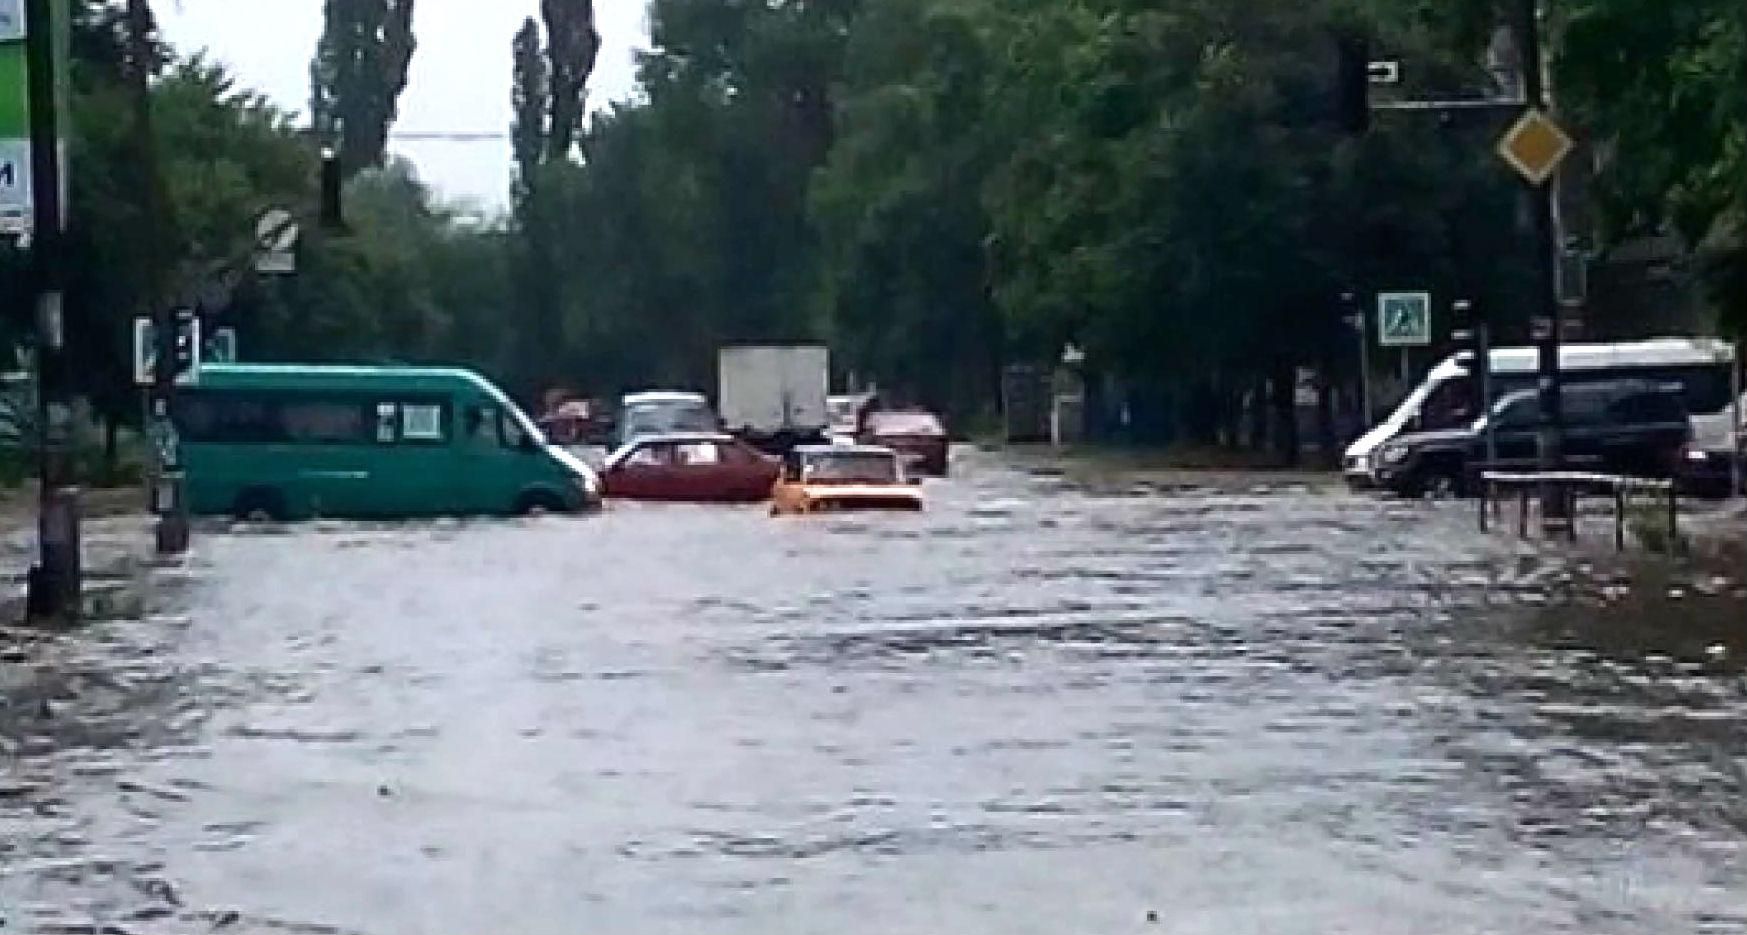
pixel 1328 445
pixel 1327 442
pixel 111 451
pixel 1258 413
pixel 1285 410
pixel 1230 415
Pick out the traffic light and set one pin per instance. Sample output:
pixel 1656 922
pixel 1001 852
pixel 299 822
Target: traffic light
pixel 1353 85
pixel 186 358
pixel 333 215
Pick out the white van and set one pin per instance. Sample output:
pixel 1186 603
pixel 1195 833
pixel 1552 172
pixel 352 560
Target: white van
pixel 1448 397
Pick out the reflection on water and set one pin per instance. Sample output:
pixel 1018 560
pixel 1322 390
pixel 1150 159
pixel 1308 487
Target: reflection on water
pixel 1035 708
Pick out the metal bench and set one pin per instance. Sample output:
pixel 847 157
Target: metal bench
pixel 1495 486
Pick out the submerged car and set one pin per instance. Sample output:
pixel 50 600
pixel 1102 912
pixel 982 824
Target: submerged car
pixel 917 436
pixel 691 468
pixel 833 478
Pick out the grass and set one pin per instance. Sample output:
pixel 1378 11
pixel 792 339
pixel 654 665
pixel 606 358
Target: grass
pixel 1648 521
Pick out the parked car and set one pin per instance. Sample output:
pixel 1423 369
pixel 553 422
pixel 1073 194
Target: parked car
pixel 831 478
pixel 918 437
pixel 1634 427
pixel 695 468
pixel 664 412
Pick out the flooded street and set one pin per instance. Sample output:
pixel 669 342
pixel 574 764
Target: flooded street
pixel 1036 708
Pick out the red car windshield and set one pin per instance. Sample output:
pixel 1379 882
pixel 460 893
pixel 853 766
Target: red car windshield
pixel 851 468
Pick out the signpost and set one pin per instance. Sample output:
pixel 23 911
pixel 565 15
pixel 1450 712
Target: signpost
pixel 1404 320
pixel 1535 147
pixel 15 200
pixel 276 237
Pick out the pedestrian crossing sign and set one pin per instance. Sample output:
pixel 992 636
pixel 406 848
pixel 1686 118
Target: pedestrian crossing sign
pixel 1404 319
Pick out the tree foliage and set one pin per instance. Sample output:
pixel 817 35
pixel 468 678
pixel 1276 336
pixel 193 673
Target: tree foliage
pixel 935 187
pixel 573 47
pixel 356 78
pixel 529 97
pixel 1664 86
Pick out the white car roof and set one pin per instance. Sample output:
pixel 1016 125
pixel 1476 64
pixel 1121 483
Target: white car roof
pixel 662 396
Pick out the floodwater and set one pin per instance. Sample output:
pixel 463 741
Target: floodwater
pixel 1037 708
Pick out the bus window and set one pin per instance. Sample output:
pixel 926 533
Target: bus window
pixel 387 423
pixel 481 425
pixel 423 422
pixel 320 421
pixel 510 433
pixel 226 419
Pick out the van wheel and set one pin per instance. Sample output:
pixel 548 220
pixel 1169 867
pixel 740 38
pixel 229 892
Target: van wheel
pixel 260 505
pixel 538 503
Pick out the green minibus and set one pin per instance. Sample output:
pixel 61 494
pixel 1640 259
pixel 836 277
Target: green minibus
pixel 295 441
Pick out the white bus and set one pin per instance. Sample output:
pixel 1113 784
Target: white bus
pixel 1448 396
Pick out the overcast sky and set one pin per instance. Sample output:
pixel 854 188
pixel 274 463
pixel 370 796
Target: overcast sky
pixel 460 74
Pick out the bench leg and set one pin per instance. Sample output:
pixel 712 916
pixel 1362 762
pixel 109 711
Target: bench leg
pixel 1619 520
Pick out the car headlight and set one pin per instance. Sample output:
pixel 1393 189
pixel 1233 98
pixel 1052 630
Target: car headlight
pixel 1394 454
pixel 1697 455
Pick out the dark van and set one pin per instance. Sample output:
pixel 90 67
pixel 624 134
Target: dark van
pixel 1633 427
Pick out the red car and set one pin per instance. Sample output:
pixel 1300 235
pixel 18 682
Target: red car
pixel 693 468
pixel 918 437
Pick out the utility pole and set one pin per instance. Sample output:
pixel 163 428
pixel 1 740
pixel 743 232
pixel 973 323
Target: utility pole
pixel 55 584
pixel 1555 511
pixel 167 493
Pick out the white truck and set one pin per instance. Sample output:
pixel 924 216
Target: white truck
pixel 774 396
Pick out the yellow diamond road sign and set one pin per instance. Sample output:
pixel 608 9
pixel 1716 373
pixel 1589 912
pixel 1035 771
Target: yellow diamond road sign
pixel 1535 146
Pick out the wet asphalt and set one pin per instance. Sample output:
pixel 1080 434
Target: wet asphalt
pixel 1040 707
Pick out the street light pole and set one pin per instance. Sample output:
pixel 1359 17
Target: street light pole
pixel 1554 509
pixel 55 587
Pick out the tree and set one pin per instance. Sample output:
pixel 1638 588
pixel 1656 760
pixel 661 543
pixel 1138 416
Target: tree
pixel 530 96
pixel 357 76
pixel 900 207
pixel 1665 86
pixel 573 47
